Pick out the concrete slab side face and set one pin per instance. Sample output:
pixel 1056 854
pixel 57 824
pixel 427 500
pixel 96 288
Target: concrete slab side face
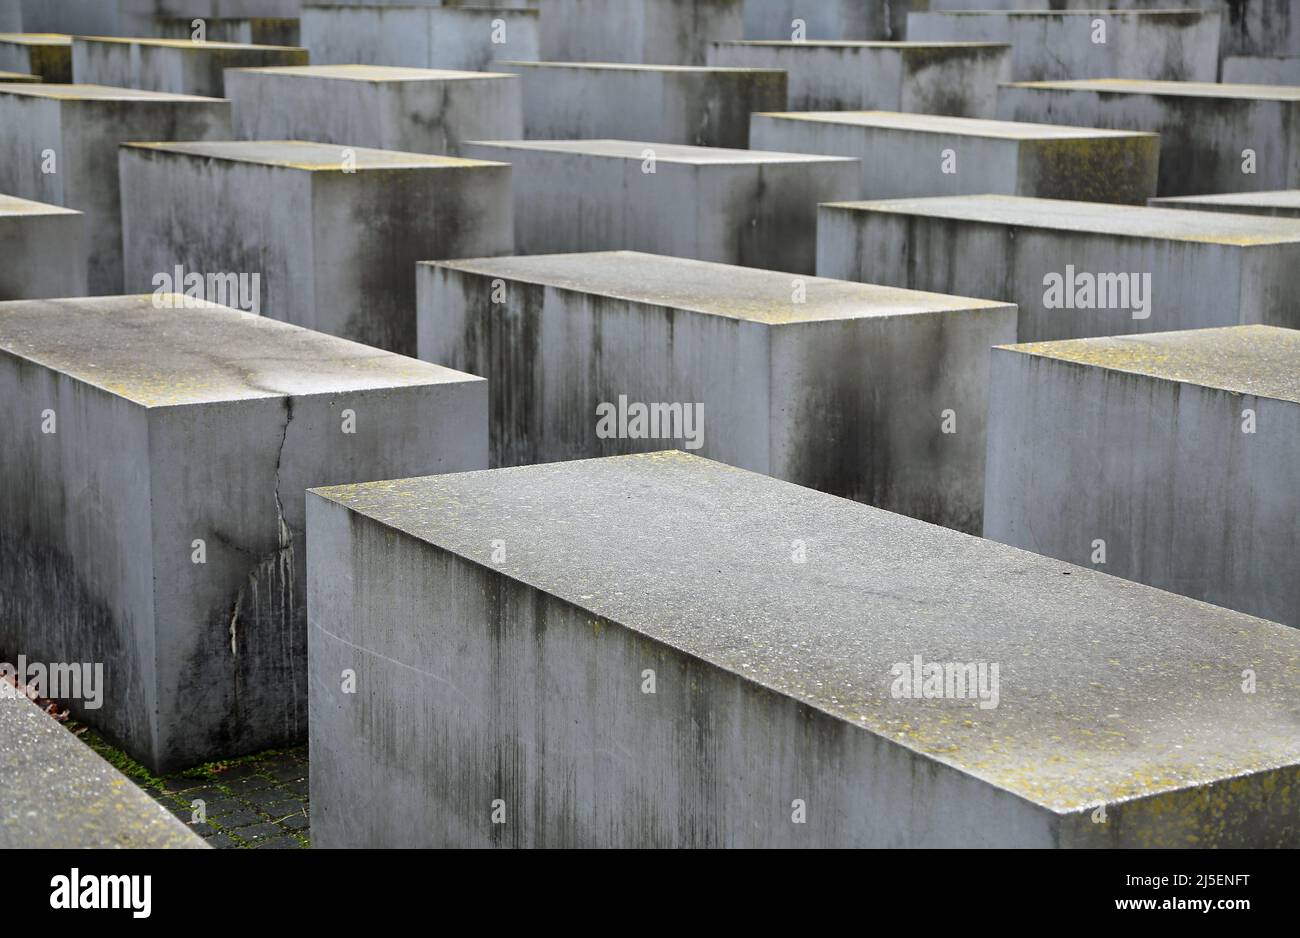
pixel 653 32
pixel 529 670
pixel 1195 490
pixel 60 795
pixel 164 538
pixel 905 155
pixel 44 248
pixel 813 381
pixel 1213 137
pixel 419 36
pixel 1074 269
pixel 333 251
pixel 64 151
pixel 180 66
pixel 826 19
pixel 755 209
pixel 48 55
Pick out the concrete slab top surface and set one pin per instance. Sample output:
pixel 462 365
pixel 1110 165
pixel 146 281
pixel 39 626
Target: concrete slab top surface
pixel 371 73
pixel 638 67
pixel 60 794
pixel 1177 89
pixel 1277 198
pixel 96 93
pixel 192 45
pixel 663 152
pixel 305 155
pixel 37 39
pixel 1134 221
pixel 1262 361
pixel 12 205
pixel 744 293
pixel 18 76
pixel 160 357
pixel 862 44
pixel 960 126
pixel 1108 689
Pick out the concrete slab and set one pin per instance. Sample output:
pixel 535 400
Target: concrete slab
pixel 1195 490
pixel 7 77
pixel 1262 70
pixel 333 233
pixel 415 110
pixel 826 19
pixel 691 105
pixel 808 380
pixel 1049 45
pixel 260 30
pixel 1213 137
pixel 48 55
pixel 61 147
pixel 43 249
pixel 1284 203
pixel 748 207
pixel 74 17
pixel 181 66
pixel 59 795
pixel 905 155
pixel 626 652
pixel 648 32
pixel 165 538
pixel 464 38
pixel 956 78
pixel 1074 269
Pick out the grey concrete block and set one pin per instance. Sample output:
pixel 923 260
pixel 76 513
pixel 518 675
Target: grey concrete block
pixel 1073 269
pixel 158 529
pixel 334 250
pixel 747 207
pixel 905 155
pixel 1169 459
pixel 1213 137
pixel 956 78
pixel 653 32
pixel 260 30
pixel 504 627
pixel 1047 45
pixel 808 380
pixel 1284 203
pixel 60 795
pixel 45 54
pixel 1262 69
pixel 415 110
pixel 693 105
pixel 827 19
pixel 74 17
pixel 419 36
pixel 42 250
pixel 60 147
pixel 181 66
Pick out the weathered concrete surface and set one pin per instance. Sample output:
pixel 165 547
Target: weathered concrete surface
pixel 812 381
pixel 956 78
pixel 42 250
pixel 335 250
pixel 691 105
pixel 74 130
pixel 415 110
pixel 175 427
pixel 504 626
pixel 149 17
pixel 827 19
pixel 1047 45
pixel 45 54
pixel 6 77
pixel 261 30
pixel 1178 451
pixel 905 155
pixel 747 207
pixel 1073 269
pixel 419 36
pixel 648 32
pixel 1284 203
pixel 1213 137
pixel 181 66
pixel 74 17
pixel 60 795
pixel 1262 70
pixel 11 16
